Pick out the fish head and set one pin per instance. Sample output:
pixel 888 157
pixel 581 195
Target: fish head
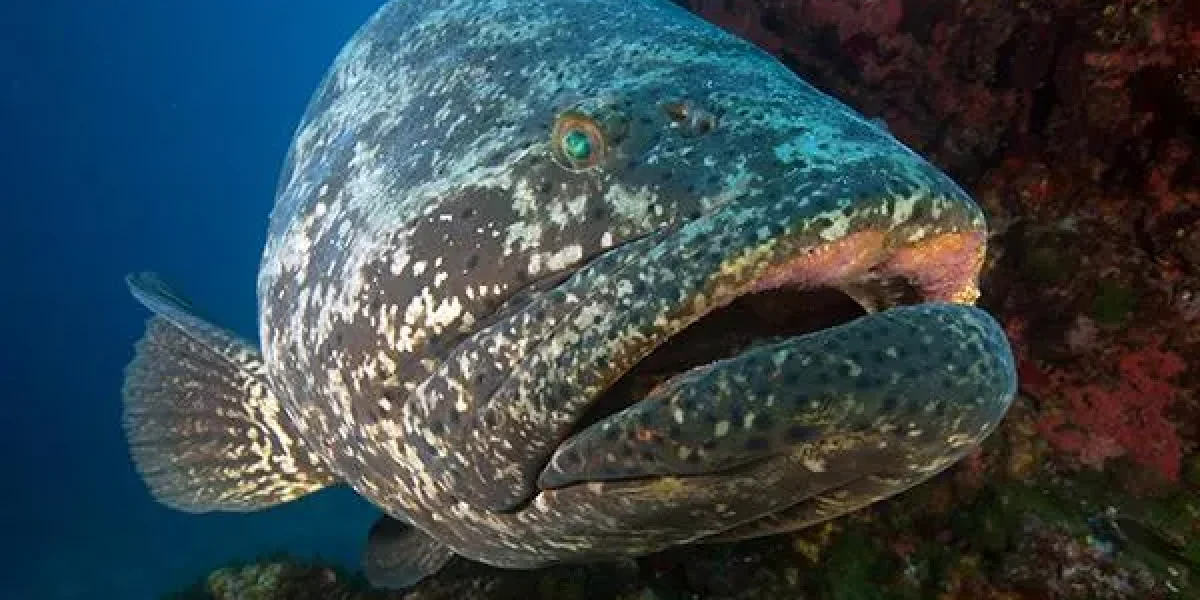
pixel 553 292
pixel 724 267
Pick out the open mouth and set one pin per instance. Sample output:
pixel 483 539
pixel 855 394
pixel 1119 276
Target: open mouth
pixel 755 319
pixel 811 295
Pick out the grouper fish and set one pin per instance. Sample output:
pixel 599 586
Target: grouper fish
pixel 578 280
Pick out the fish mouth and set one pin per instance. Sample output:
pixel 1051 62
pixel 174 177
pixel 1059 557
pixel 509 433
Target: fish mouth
pixel 755 319
pixel 842 340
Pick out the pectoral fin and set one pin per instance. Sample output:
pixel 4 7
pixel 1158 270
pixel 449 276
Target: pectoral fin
pixel 399 555
pixel 204 430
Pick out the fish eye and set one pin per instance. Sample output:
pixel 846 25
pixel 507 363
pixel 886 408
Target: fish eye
pixel 579 142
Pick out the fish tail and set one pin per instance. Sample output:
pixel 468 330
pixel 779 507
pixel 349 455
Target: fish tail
pixel 204 429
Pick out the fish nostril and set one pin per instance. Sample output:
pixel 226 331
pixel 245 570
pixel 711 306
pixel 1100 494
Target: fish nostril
pixel 692 120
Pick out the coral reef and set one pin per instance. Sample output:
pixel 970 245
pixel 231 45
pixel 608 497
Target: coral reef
pixel 1075 124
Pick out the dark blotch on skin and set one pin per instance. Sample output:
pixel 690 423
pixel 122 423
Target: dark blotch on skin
pixel 757 444
pixel 736 412
pixel 890 403
pixel 802 433
pixel 763 422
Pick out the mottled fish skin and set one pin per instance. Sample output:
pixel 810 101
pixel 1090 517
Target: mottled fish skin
pixel 441 297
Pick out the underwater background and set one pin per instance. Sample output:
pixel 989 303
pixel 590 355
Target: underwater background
pixel 149 135
pixel 138 135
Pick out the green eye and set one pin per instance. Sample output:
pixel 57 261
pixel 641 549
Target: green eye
pixel 578 141
pixel 577 145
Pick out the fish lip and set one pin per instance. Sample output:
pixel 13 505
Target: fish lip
pixel 946 269
pixel 1001 392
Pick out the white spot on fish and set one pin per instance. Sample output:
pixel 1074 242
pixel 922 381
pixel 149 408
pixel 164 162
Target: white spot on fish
pixel 721 429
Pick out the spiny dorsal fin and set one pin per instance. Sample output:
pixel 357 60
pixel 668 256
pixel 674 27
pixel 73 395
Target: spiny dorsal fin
pixel 204 430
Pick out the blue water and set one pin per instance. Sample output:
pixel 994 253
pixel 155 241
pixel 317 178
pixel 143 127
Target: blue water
pixel 137 134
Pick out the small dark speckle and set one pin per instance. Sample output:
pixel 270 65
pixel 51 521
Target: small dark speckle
pixel 802 433
pixel 472 261
pixel 890 403
pixel 763 422
pixel 756 444
pixel 736 412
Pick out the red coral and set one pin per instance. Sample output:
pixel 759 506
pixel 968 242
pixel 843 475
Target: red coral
pixel 1102 422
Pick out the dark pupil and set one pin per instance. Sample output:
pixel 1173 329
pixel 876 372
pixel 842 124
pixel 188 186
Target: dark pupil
pixel 577 145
